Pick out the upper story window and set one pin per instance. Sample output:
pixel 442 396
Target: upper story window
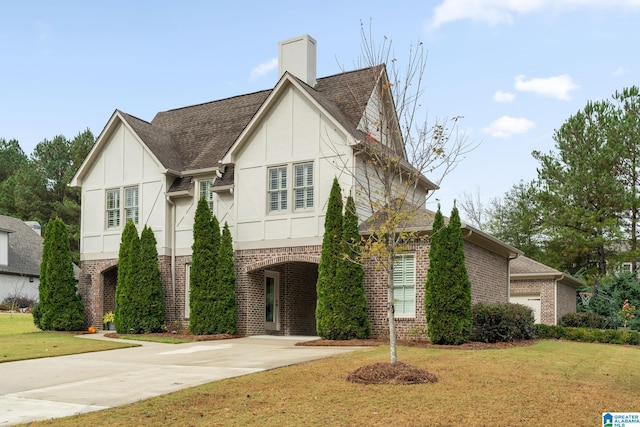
pixel 404 285
pixel 115 209
pixel 278 186
pixel 303 186
pixel 277 189
pixel 205 191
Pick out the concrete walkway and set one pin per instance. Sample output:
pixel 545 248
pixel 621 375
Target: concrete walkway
pixel 54 387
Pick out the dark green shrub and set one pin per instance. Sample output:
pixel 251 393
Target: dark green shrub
pixel 502 322
pixel 605 336
pixel 225 304
pixel 584 320
pixel 150 302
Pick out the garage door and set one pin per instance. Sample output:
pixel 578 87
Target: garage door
pixel 532 300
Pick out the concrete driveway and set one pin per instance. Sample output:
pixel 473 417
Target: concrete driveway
pixel 56 387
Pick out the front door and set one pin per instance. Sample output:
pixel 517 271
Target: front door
pixel 272 283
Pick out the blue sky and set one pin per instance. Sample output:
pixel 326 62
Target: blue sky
pixel 515 69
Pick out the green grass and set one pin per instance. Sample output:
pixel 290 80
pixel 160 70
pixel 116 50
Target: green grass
pixel 549 383
pixel 21 340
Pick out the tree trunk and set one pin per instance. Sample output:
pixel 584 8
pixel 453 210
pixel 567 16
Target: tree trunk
pixel 391 312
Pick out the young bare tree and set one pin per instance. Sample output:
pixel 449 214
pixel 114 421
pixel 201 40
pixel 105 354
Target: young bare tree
pixel 399 149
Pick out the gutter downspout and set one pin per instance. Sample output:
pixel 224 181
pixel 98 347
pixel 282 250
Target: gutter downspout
pixel 172 240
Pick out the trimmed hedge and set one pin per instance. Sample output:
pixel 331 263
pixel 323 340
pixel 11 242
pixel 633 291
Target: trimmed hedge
pixel 502 322
pixel 605 336
pixel 584 320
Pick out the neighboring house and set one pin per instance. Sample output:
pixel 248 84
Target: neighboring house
pixel 550 293
pixel 265 162
pixel 20 256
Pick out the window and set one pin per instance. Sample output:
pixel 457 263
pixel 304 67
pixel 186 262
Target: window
pixel 626 267
pixel 131 204
pixel 277 193
pixel 114 207
pixel 404 285
pixel 205 191
pixel 303 186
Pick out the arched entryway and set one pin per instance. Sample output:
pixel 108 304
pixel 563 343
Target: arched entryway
pixel 281 299
pixel 109 279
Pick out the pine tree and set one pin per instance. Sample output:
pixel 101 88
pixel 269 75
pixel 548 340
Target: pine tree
pixel 351 303
pixel 225 308
pixel 151 301
pixel 123 292
pixel 331 246
pixel 201 298
pixel 62 309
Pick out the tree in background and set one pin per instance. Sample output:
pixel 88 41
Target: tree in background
pixel 203 269
pixel 126 272
pixel 225 307
pixel 61 308
pixel 350 305
pixel 151 296
pixel 327 288
pixel 36 189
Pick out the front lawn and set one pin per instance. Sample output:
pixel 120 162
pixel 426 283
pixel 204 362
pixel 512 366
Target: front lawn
pixel 20 340
pixel 549 383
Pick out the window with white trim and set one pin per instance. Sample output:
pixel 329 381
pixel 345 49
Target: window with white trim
pixel 131 204
pixel 205 191
pixel 404 285
pixel 303 186
pixel 277 189
pixel 113 208
pixel 116 210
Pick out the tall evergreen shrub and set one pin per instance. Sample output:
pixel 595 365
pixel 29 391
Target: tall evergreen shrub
pixel 350 307
pixel 151 296
pixel 123 291
pixel 62 308
pixel 225 306
pixel 203 269
pixel 327 291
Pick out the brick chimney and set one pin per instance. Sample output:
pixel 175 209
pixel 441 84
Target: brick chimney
pixel 298 56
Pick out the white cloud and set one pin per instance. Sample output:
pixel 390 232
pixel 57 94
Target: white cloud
pixel 554 87
pixel 506 126
pixel 263 69
pixel 494 12
pixel 620 71
pixel 503 97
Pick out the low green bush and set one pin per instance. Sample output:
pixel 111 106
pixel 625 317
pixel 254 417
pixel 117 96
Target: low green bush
pixel 501 322
pixel 605 336
pixel 584 320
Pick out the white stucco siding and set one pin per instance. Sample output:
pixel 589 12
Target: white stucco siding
pixel 122 162
pixel 293 132
pixel 12 285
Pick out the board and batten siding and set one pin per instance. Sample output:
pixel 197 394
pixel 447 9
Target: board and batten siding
pixel 294 131
pixel 123 162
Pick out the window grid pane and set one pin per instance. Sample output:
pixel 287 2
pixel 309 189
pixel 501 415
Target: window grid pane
pixel 113 208
pixel 205 191
pixel 131 204
pixel 277 194
pixel 303 186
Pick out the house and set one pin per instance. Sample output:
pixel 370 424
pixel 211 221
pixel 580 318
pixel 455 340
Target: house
pixel 550 293
pixel 20 256
pixel 265 162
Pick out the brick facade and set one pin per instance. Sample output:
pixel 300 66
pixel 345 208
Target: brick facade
pixel 297 268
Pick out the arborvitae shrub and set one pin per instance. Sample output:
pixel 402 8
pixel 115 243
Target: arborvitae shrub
pixel 584 320
pixel 225 307
pixel 502 322
pixel 151 295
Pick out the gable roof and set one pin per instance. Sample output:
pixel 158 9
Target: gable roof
pixel 421 221
pixel 25 248
pixel 523 268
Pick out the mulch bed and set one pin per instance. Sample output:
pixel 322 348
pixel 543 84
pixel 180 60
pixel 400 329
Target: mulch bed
pixel 386 373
